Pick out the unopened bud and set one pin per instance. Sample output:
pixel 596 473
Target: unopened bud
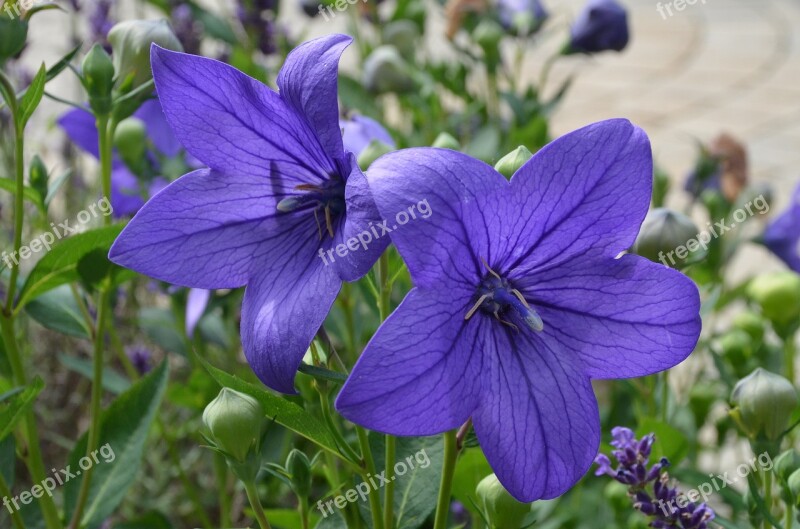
pixel 385 70
pixel 778 294
pixel 299 468
pixel 38 176
pixel 511 162
pixel 502 509
pixel 763 404
pixel 13 33
pixel 131 42
pixel 664 237
pixel 446 141
pixel 98 78
pixel 234 421
pixel 130 140
pixel 372 152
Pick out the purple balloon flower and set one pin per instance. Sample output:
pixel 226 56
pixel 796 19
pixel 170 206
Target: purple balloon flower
pixel 782 236
pixel 126 195
pixel 526 15
pixel 601 26
pixel 359 131
pixel 519 301
pixel 276 208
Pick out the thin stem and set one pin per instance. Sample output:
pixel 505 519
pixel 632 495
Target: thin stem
pixel 221 471
pixel 93 438
pixel 5 491
pixel 19 213
pixel 255 503
pixel 767 494
pixel 789 349
pixel 105 131
pixel 388 491
pixel 369 466
pixel 448 470
pixel 303 508
pixel 788 520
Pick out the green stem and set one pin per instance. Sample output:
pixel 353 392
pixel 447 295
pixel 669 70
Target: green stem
pixel 255 503
pixel 789 350
pixel 221 470
pixel 788 520
pixel 767 494
pixel 105 148
pixel 19 213
pixel 448 470
pixel 369 466
pixel 5 491
pixel 388 491
pixel 303 508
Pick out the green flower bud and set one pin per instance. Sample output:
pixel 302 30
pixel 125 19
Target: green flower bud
pixel 372 152
pixel 38 176
pixel 786 464
pixel 446 141
pixel 234 421
pixel 299 469
pixel 751 323
pixel 13 33
pixel 502 510
pixel 385 70
pixel 98 78
pixel 763 404
pixel 131 41
pixel 664 237
pixel 511 162
pixel 130 139
pixel 778 294
pixel 736 345
pixel 488 34
pixel 403 35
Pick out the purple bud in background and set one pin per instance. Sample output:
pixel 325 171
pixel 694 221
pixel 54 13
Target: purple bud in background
pixel 100 23
pixel 601 26
pixel 140 357
pixel 186 28
pixel 522 16
pixel 359 131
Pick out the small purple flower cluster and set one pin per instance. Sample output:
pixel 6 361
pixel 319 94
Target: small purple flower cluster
pixel 633 457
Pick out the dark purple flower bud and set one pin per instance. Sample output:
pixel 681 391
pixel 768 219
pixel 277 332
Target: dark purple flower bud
pixel 186 28
pixel 100 23
pixel 601 26
pixel 140 357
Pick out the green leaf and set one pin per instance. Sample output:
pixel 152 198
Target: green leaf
pixel 55 185
pixel 16 407
pixel 58 311
pixel 332 521
pixel 150 520
pixel 670 442
pixel 29 193
pixel 284 412
pixel 60 264
pixel 33 96
pixel 416 490
pixel 471 468
pixel 125 425
pixel 113 382
pixel 159 325
pixel 63 63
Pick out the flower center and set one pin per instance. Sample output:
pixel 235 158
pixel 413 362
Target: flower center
pixel 497 297
pixel 326 200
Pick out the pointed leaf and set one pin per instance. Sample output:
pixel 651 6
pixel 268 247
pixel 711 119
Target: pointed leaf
pixel 33 96
pixel 16 407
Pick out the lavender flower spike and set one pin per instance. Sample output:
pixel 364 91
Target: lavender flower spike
pixel 279 193
pixel 519 301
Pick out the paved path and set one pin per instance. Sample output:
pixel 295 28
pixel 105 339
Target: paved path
pixel 726 65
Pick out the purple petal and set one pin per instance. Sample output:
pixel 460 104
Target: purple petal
pixel 420 374
pixel 203 231
pixel 587 191
pixel 782 236
pixel 234 124
pixel 359 131
pixel 284 307
pixel 158 129
pixel 537 422
pixel 449 246
pixel 196 303
pixel 362 215
pixel 620 318
pixel 81 129
pixel 308 82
